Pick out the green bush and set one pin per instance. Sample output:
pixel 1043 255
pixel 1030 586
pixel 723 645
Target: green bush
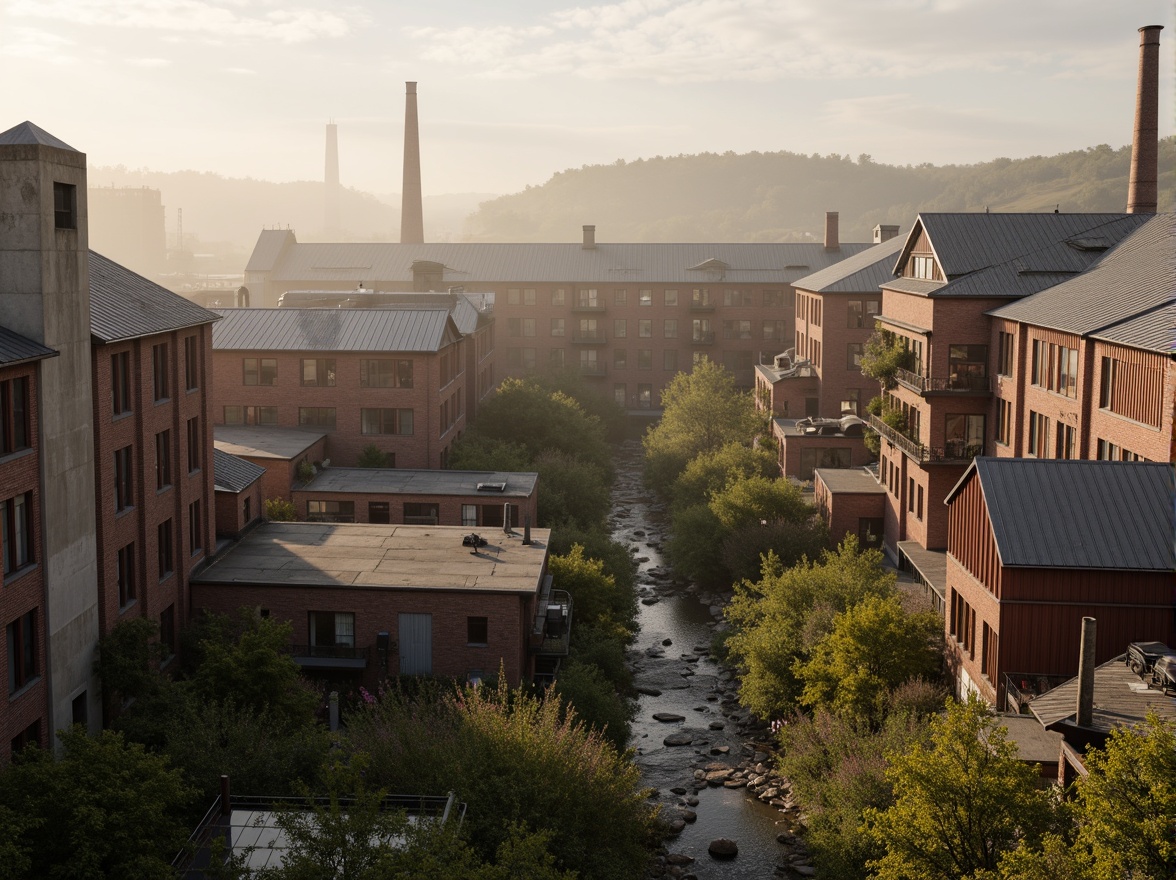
pixel 584 688
pixel 280 510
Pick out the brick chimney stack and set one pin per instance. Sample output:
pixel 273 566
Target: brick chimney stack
pixel 331 182
pixel 1142 197
pixel 589 242
pixel 831 241
pixel 412 219
pixel 884 232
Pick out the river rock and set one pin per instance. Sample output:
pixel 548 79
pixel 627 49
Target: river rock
pixel 677 825
pixel 717 725
pixel 682 738
pixel 668 717
pixel 667 642
pixel 678 859
pixel 723 848
pixel 648 691
pixel 651 600
pixel 805 870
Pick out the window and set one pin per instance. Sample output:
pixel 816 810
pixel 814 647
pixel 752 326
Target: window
pixel 1004 353
pixel 260 371
pixel 1055 368
pixel 514 296
pixel 736 297
pixel 14 416
pixel 619 394
pixel 967 367
pixel 125 575
pixel 194 443
pixel 670 359
pixel 379 512
pixel 737 329
pixel 195 528
pixel 419 513
pixel 645 297
pixel 385 373
pixel 123 485
pixel 21 636
pixel 120 383
pixel 80 710
pixel 1004 421
pixel 671 297
pixel 910 494
pixel 645 328
pixel 166 549
pixel 556 358
pixel 167 633
pixel 16 531
pixel 191 363
pixel 65 205
pixel 246 510
pixel 644 359
pixel 963 435
pixel 923 267
pixel 619 358
pixel 587 299
pixel 644 395
pixel 330 511
pixel 317 416
pixel 1065 441
pixel 919 503
pixel 163 474
pixel 558 296
pixel 469 514
pixel 855 314
pixel 160 371
pixel 385 421
pixel 773 298
pixel 620 298
pixel 702 330
pixel 318 372
pixel 1038 435
pixel 477 630
pixel 853 358
pixel 528 296
pixel 590 362
pixel 557 327
pixel 774 331
pixel 620 328
pixel 514 327
pixel 332 629
pixel 528 326
pixel 700 298
pixel 670 328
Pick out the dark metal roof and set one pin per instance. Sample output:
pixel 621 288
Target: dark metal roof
pixel 124 305
pixel 386 330
pixel 469 263
pixel 863 272
pixel 1049 513
pixel 16 349
pixel 1014 255
pixel 1151 331
pixel 1134 280
pixel 27 134
pixel 233 474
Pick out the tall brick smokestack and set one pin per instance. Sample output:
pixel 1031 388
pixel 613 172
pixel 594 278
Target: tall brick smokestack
pixel 412 218
pixel 1142 197
pixel 331 182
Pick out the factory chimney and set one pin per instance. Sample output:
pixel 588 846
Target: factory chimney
pixel 331 183
pixel 412 220
pixel 1142 195
pixel 832 242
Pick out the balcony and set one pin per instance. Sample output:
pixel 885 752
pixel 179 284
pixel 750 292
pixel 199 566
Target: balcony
pixel 590 337
pixel 952 452
pixel 330 656
pixel 588 306
pixel 705 337
pixel 701 306
pixel 552 631
pixel 939 385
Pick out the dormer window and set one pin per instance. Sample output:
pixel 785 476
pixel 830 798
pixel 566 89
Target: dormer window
pixel 65 206
pixel 924 267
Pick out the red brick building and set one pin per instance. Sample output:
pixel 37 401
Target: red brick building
pixel 279 452
pixel 239 499
pixel 394 378
pixel 859 508
pixel 1034 546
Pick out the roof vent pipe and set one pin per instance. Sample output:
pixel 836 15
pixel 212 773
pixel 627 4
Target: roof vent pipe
pixel 506 525
pixel 527 528
pixel 1142 196
pixel 831 240
pixel 589 238
pixel 1085 714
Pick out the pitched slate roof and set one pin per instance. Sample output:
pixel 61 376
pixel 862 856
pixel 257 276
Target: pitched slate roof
pixel 1049 513
pixel 1013 255
pixel 385 330
pixel 17 349
pixel 862 272
pixel 27 134
pixel 124 305
pixel 1130 284
pixel 1154 330
pixel 233 474
pixel 469 263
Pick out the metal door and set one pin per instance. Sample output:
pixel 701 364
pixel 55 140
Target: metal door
pixel 416 644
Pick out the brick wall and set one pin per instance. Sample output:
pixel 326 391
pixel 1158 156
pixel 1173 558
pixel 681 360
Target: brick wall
pixel 448 506
pixel 231 516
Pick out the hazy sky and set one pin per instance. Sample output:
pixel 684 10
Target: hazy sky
pixel 514 90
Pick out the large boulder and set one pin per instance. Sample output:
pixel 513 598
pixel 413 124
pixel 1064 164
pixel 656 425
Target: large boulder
pixel 723 848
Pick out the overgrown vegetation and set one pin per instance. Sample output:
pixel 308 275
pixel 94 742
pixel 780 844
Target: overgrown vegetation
pixel 280 510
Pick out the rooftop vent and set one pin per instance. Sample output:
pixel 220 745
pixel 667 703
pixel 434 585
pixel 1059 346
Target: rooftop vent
pixel 491 487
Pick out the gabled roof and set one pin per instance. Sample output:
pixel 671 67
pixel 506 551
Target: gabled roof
pixel 1049 513
pixel 468 263
pixel 464 313
pixel 1130 285
pixel 407 329
pixel 27 134
pixel 861 273
pixel 124 305
pixel 1013 255
pixel 233 474
pixel 17 349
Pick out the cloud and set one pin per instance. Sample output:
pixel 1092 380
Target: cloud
pixel 676 41
pixel 32 43
pixel 217 18
pixel 149 62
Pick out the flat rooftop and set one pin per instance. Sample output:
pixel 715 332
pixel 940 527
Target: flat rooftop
pixel 395 481
pixel 381 557
pixel 249 441
pixel 849 481
pixel 1120 698
pixel 1035 744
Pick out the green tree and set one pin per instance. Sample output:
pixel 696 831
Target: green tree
pixel 711 472
pixel 595 700
pixel 371 456
pixel 759 500
pixel 474 452
pixel 778 619
pixel 961 802
pixel 874 646
pixel 597 600
pixel 571 491
pixel 695 546
pixel 104 808
pixel 744 548
pixel 127 662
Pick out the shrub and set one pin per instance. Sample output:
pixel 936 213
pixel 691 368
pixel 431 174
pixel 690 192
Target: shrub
pixel 280 510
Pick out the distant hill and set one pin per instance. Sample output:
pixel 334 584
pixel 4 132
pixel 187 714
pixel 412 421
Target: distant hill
pixel 783 196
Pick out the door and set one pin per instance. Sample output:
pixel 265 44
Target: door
pixel 416 644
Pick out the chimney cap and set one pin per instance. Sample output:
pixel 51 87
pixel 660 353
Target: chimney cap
pixel 410 88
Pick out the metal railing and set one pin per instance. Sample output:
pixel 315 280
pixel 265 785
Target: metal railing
pixel 331 652
pixel 925 384
pixel 594 337
pixel 587 307
pixel 951 452
pixel 553 637
pixel 703 338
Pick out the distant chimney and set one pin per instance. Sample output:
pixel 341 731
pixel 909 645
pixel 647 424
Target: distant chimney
pixel 831 242
pixel 1142 195
pixel 589 238
pixel 1086 674
pixel 412 218
pixel 884 233
pixel 331 182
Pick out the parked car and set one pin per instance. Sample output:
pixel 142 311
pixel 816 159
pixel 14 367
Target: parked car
pixel 1142 656
pixel 1164 673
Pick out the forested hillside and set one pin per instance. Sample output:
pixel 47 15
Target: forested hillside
pixel 783 196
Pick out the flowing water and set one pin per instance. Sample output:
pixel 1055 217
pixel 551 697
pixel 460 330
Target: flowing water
pixel 680 678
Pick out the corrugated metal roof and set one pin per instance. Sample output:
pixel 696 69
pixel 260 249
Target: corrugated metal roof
pixel 1120 698
pixel 124 305
pixel 385 330
pixel 16 349
pixel 232 474
pixel 27 134
pixel 1049 513
pixel 1134 280
pixel 863 272
pixel 268 249
pixel 464 313
pixel 469 263
pixel 1151 331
